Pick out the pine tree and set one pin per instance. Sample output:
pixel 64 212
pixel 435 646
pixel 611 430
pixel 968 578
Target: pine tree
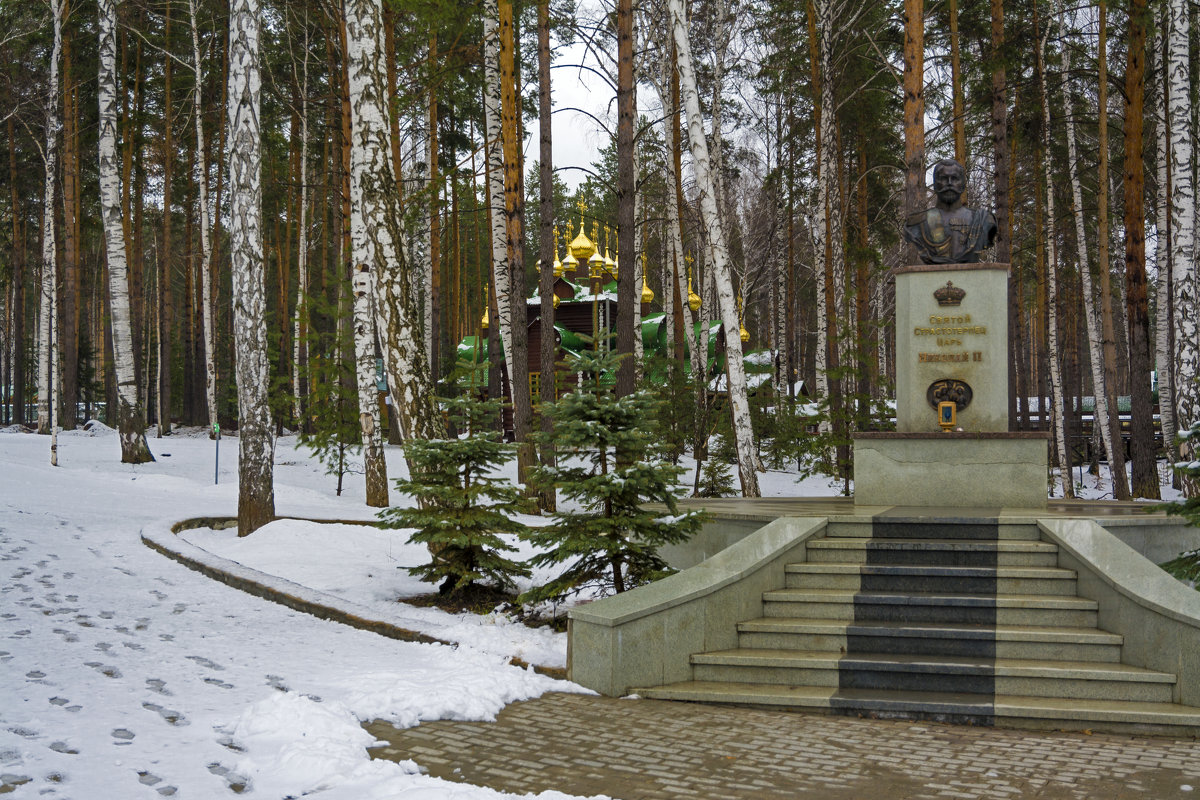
pixel 1187 566
pixel 462 509
pixel 332 432
pixel 609 466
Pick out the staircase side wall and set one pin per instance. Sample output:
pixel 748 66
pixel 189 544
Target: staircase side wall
pixel 645 637
pixel 1158 616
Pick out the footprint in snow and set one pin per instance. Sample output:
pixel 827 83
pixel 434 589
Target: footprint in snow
pixel 204 662
pixel 107 615
pixel 123 736
pixel 158 595
pixel 276 682
pixel 179 608
pixel 63 747
pixel 26 733
pixel 104 669
pixel 10 781
pixel 170 715
pixel 59 701
pixel 103 647
pixel 166 637
pixel 67 635
pixel 157 685
pixel 132 646
pixel 35 675
pixel 218 683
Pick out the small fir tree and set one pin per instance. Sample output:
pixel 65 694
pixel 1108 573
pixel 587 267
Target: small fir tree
pixel 609 466
pixel 332 431
pixel 716 474
pixel 462 509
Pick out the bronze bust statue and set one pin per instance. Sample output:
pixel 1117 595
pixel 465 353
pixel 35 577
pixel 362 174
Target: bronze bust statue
pixel 949 233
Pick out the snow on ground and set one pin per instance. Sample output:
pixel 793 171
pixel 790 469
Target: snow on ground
pixel 125 675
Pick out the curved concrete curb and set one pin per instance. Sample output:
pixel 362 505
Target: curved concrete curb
pixel 285 592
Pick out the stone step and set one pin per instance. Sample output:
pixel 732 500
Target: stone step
pixel 1008 710
pixel 933 552
pixel 991 641
pixel 899 528
pixel 845 604
pixel 1036 678
pixel 907 578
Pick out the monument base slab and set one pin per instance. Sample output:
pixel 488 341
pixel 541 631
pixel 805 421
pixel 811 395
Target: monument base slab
pixel 951 469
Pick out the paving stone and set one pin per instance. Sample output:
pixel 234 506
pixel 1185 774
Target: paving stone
pixel 655 750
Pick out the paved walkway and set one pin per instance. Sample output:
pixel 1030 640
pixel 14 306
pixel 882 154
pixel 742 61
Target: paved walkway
pixel 656 750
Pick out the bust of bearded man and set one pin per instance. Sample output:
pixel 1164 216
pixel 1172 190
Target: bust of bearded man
pixel 950 233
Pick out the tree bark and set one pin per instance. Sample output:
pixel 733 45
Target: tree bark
pixel 1103 421
pixel 1183 230
pixel 626 202
pixel 1162 258
pixel 1116 456
pixel 130 417
pixel 719 258
pixel 49 266
pixel 546 246
pixel 1052 293
pixel 256 447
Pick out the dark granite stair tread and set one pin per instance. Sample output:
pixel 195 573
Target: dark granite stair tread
pixel 1052 601
pixel 846 568
pixel 944 664
pixel 996 632
pixel 1003 545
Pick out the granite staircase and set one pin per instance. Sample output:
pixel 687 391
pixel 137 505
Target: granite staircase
pixel 961 621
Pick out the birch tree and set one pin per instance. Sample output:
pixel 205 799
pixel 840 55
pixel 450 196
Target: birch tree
pixel 1100 390
pixel 1162 259
pixel 47 318
pixel 301 316
pixel 1056 386
pixel 718 256
pixel 495 176
pixel 256 447
pixel 377 234
pixel 1183 222
pixel 130 417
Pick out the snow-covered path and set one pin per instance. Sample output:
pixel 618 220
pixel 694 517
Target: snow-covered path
pixel 125 675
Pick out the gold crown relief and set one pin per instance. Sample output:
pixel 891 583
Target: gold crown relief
pixel 949 295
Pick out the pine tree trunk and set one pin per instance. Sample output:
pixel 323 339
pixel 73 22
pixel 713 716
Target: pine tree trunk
pixel 914 110
pixel 256 447
pixel 300 319
pixel 1052 298
pixel 546 244
pixel 626 200
pixel 514 229
pixel 67 318
pixel 1103 421
pixel 130 417
pixel 719 256
pixel 16 374
pixel 431 276
pixel 1183 228
pixel 166 249
pixel 49 266
pixel 960 116
pixel 1000 183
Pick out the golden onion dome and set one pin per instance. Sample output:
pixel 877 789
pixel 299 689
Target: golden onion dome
pixel 556 301
pixel 483 323
pixel 693 298
pixel 647 294
pixel 745 335
pixel 581 246
pixel 569 264
pixel 596 264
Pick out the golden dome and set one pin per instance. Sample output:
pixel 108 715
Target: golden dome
pixel 693 298
pixel 647 294
pixel 745 335
pixel 581 247
pixel 596 264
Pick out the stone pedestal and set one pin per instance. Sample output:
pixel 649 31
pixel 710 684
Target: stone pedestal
pixel 951 469
pixel 951 344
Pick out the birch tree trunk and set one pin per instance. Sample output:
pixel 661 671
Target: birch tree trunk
pixel 719 258
pixel 1183 226
pixel 1108 338
pixel 210 334
pixel 377 233
pixel 1056 384
pixel 1100 390
pixel 131 419
pixel 256 447
pixel 47 323
pixel 369 236
pixel 820 225
pixel 495 176
pixel 1162 259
